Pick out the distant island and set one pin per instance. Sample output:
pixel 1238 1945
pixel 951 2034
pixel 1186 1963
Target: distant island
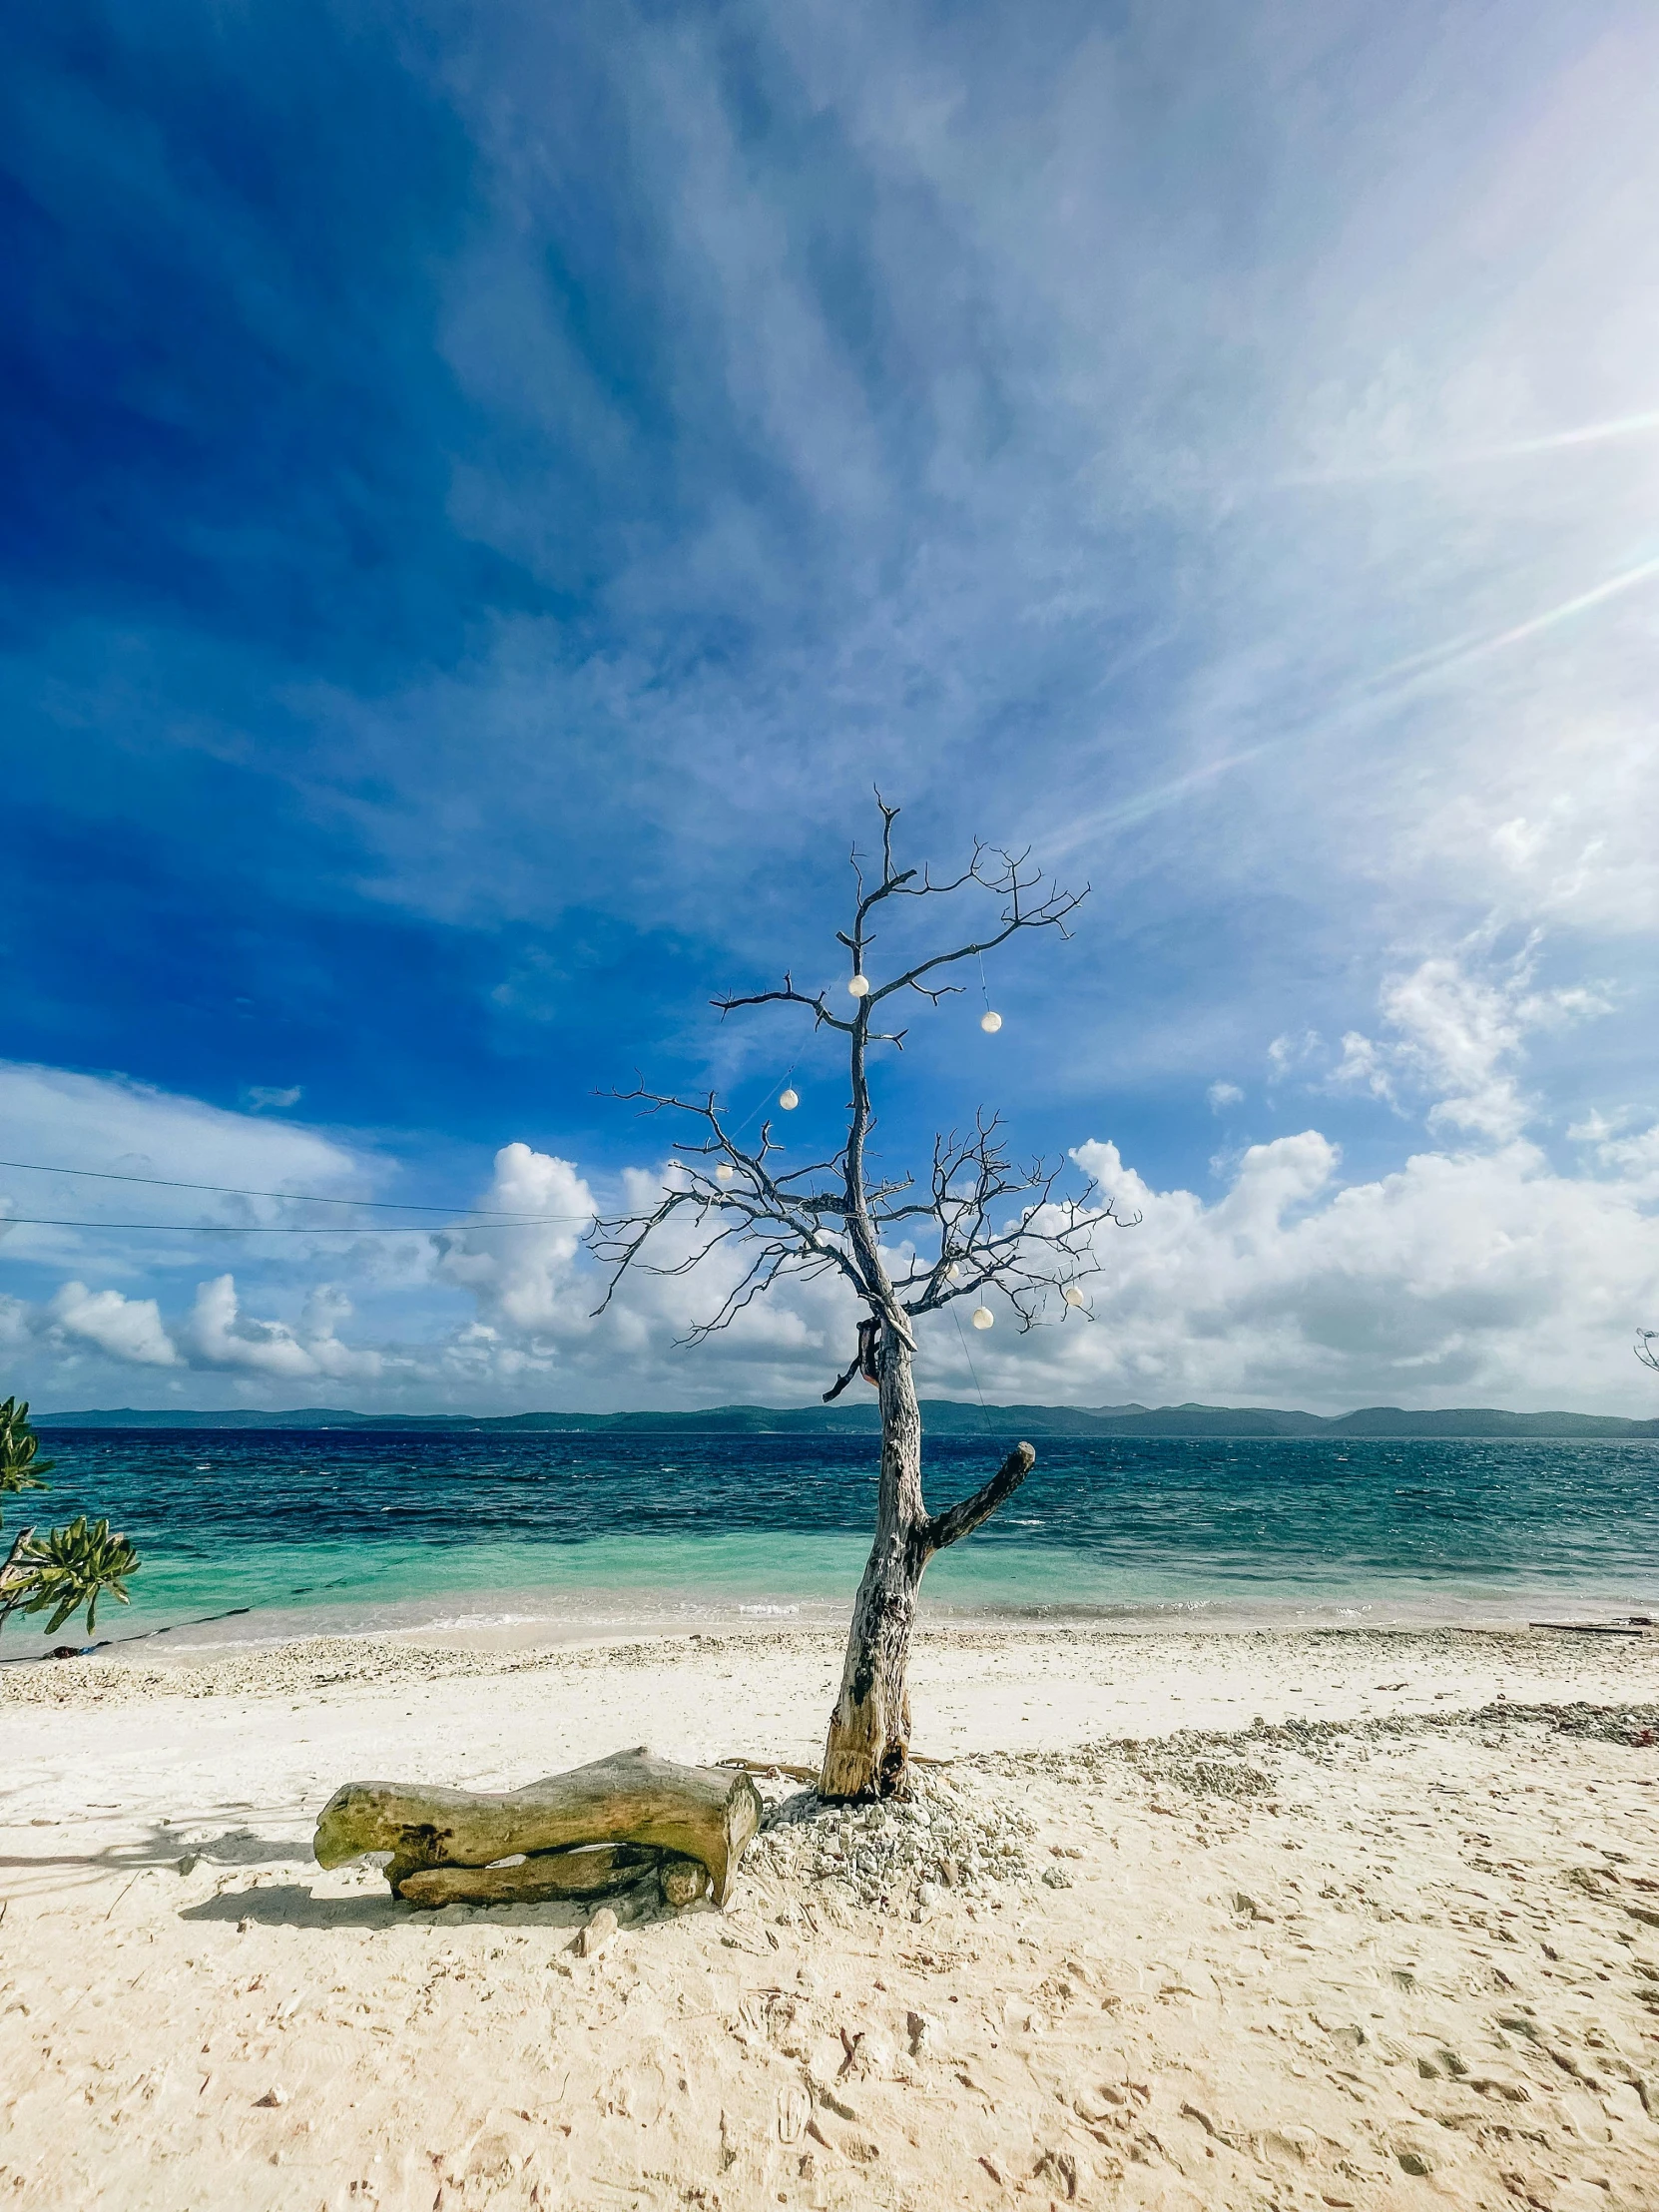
pixel 942 1417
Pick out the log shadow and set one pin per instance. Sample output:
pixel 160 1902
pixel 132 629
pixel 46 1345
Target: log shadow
pixel 289 1904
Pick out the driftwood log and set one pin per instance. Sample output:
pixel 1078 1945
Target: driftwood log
pixel 601 1871
pixel 447 1845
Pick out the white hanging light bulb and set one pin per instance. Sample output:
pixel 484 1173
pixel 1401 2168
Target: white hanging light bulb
pixel 724 1172
pixel 859 987
pixel 982 1317
pixel 788 1099
pixel 1073 1295
pixel 953 1273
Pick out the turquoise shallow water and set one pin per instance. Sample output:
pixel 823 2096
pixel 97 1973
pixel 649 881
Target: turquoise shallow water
pixel 299 1532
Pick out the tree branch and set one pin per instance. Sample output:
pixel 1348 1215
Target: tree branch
pixel 20 1544
pixel 863 1362
pixel 957 1521
pixel 787 996
pixel 841 1380
pixel 997 1226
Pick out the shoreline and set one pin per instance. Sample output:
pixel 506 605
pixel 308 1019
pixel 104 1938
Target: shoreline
pixel 1525 1664
pixel 515 1622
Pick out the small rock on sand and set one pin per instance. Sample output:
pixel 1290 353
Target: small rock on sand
pixel 682 1882
pixel 598 1933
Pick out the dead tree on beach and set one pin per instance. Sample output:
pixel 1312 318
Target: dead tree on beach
pixel 976 1223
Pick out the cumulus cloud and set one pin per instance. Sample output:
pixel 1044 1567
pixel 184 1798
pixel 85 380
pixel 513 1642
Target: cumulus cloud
pixel 215 1334
pixel 536 1291
pixel 127 1328
pixel 1461 1027
pixel 1632 1153
pixel 218 1334
pixel 1476 1277
pixel 1478 1270
pixel 1482 1274
pixel 524 1278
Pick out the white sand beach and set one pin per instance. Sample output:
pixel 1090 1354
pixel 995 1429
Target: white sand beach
pixel 1337 1918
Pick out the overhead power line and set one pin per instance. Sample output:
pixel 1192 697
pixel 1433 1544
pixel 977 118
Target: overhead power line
pixel 285 1228
pixel 296 1198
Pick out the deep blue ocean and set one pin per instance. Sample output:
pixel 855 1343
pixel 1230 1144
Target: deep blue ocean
pixel 295 1532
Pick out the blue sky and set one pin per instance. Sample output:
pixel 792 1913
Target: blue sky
pixel 487 493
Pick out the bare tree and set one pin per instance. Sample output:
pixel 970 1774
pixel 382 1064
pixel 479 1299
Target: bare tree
pixel 977 1221
pixel 1646 1339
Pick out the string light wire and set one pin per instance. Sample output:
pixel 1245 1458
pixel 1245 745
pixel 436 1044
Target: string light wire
pixel 984 1409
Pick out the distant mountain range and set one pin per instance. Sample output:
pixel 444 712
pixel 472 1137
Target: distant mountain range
pixel 942 1417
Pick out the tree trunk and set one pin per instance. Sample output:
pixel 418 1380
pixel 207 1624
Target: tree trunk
pixel 867 1752
pixel 869 1749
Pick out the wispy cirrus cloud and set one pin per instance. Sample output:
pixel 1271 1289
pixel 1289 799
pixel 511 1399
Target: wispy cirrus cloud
pixel 494 499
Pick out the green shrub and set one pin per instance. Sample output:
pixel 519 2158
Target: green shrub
pixel 68 1567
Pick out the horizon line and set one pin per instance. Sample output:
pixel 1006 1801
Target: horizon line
pixel 750 1405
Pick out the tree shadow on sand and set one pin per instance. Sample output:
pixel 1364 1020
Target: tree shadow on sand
pixel 239 1847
